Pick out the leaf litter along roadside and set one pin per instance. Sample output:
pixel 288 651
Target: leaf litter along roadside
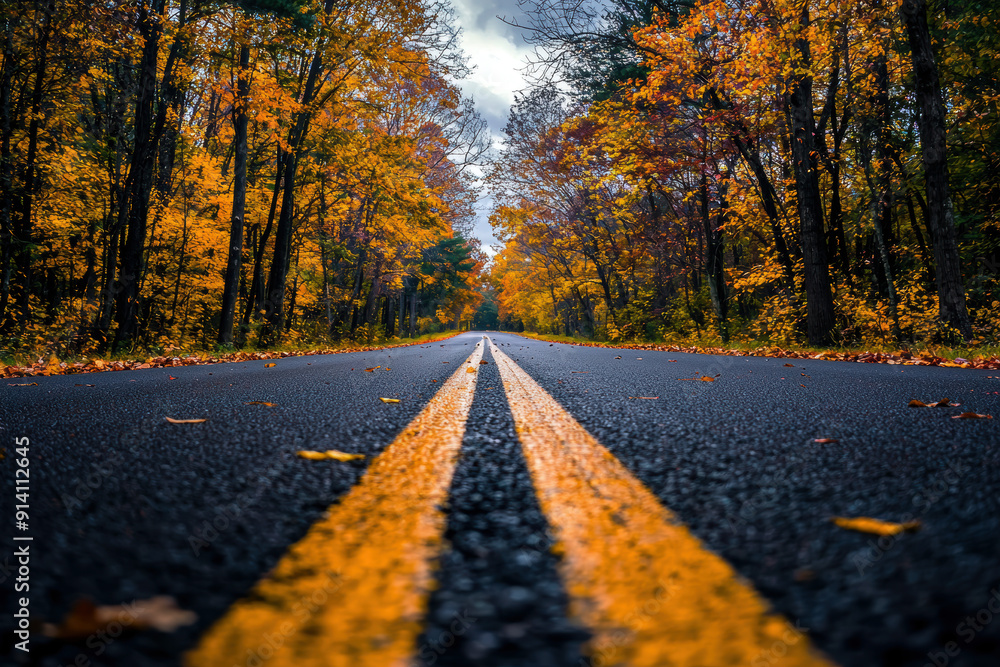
pixel 43 367
pixel 901 358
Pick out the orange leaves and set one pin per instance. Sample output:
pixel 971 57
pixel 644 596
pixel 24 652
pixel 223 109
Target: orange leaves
pixel 875 526
pixel 943 403
pixel 185 421
pixel 330 454
pixel 391 400
pixel 946 403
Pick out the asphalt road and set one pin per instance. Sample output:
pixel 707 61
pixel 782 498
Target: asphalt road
pixel 126 506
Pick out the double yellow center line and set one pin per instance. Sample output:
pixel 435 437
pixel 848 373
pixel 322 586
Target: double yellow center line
pixel 647 589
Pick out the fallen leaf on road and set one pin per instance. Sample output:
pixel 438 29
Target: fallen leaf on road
pixel 185 421
pixel 83 385
pixel 470 369
pixel 329 454
pixel 372 370
pixel 85 619
pixel 579 372
pixel 270 405
pixel 270 365
pixel 618 357
pixel 23 384
pixel 483 362
pixel 706 378
pixel 645 398
pixel 972 415
pixel 875 526
pixel 789 365
pixel 825 441
pixel 389 400
pixel 943 403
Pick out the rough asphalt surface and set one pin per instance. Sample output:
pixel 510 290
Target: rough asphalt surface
pixel 125 506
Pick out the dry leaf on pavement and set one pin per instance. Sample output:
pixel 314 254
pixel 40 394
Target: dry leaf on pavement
pixel 875 526
pixel 389 400
pixel 159 613
pixel 943 403
pixel 334 454
pixel 972 415
pixel 185 421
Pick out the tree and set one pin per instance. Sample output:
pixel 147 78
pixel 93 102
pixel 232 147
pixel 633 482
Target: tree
pixel 934 147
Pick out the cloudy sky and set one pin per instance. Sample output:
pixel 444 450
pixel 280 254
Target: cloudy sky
pixel 498 53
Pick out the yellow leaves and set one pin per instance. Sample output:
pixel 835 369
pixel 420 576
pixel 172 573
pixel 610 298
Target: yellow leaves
pixel 875 526
pixel 270 365
pixel 53 365
pixel 389 400
pixel 185 421
pixel 85 619
pixel 470 370
pixel 330 454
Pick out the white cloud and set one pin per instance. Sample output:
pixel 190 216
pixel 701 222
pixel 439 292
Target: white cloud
pixel 498 54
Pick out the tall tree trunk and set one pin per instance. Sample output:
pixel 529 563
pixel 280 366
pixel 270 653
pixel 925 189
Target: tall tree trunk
pixel 149 129
pixel 714 259
pixel 256 296
pixel 235 263
pixel 274 316
pixel 22 231
pixel 819 300
pixel 934 145
pixel 6 164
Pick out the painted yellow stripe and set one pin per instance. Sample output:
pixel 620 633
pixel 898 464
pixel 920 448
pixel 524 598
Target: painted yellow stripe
pixel 354 590
pixel 647 588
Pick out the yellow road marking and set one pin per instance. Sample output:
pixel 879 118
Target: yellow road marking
pixel 647 588
pixel 353 591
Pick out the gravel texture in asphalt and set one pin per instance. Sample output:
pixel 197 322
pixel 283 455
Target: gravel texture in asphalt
pixel 737 460
pixel 499 602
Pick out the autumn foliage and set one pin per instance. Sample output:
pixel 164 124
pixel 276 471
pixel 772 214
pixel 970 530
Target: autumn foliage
pixel 315 150
pixel 794 171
